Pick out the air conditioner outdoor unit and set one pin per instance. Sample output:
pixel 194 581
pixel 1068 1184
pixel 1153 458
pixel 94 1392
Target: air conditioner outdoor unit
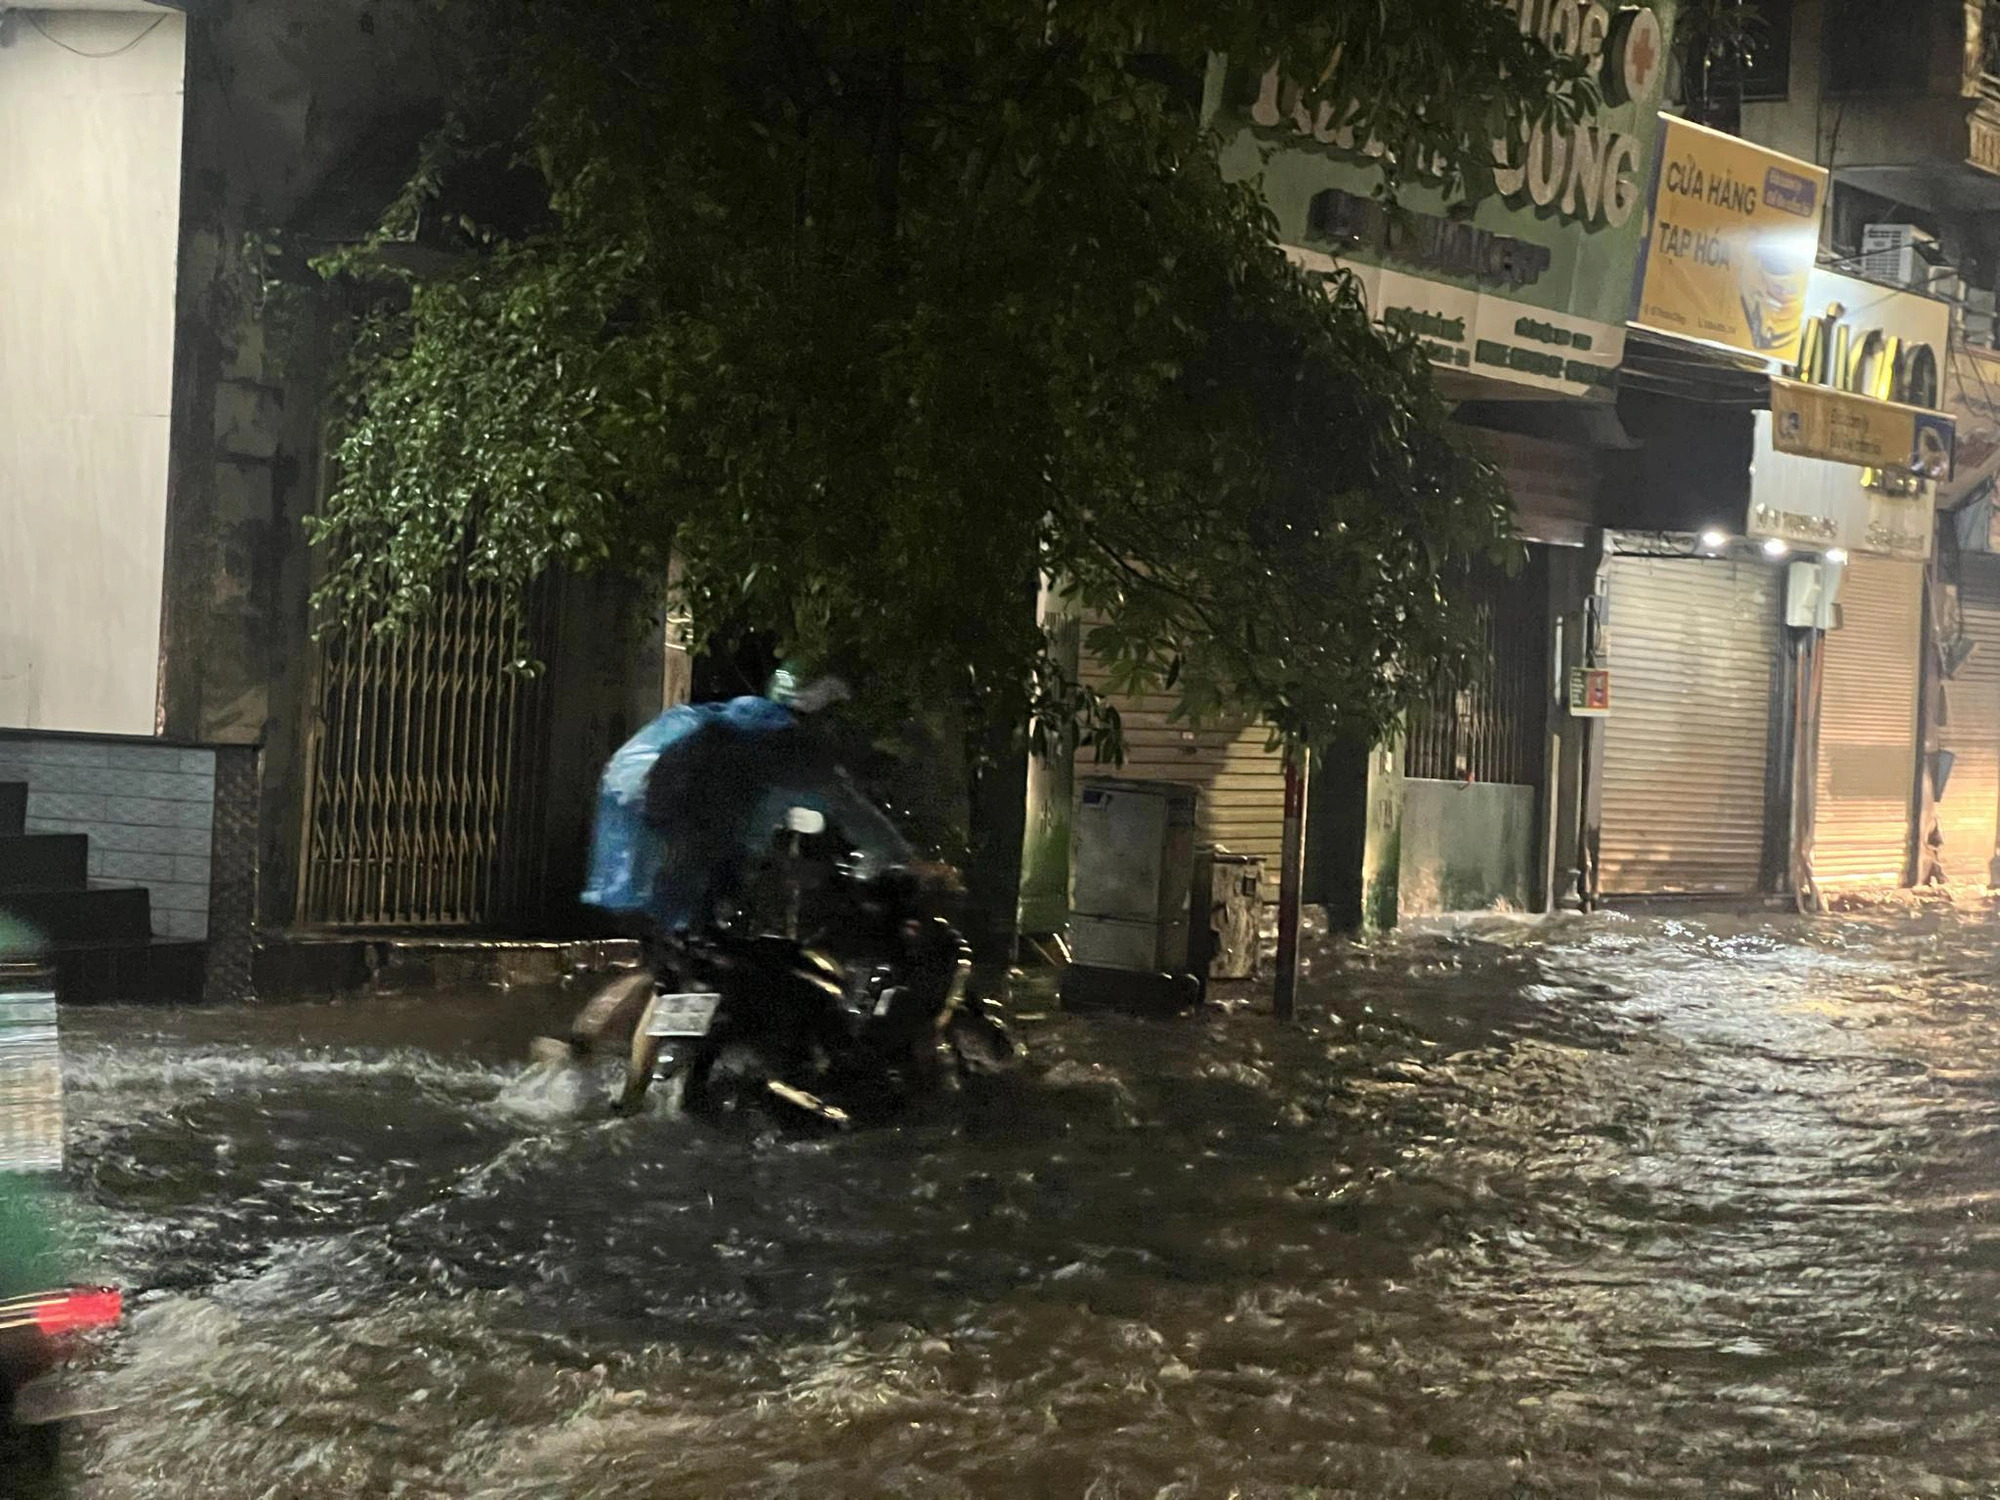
pixel 1901 253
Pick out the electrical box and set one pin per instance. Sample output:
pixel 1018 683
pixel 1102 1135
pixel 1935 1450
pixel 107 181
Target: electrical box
pixel 1234 913
pixel 1812 595
pixel 1134 844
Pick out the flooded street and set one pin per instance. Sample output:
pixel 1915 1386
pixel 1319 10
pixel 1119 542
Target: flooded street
pixel 1613 1207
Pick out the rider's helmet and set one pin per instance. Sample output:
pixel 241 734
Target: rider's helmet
pixel 791 687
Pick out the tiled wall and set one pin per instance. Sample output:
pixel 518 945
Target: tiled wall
pixel 148 810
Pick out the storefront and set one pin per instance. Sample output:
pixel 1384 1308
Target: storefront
pixel 1692 628
pixel 1767 672
pixel 1869 532
pixel 1520 300
pixel 1964 835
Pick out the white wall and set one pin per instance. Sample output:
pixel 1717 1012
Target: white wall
pixel 90 165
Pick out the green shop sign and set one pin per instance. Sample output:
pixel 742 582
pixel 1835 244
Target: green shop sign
pixel 1532 286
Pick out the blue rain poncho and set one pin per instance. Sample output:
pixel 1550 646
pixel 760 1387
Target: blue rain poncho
pixel 690 802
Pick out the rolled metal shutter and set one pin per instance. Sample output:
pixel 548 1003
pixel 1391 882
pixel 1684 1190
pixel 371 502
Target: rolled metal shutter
pixel 1691 643
pixel 1969 811
pixel 1241 781
pixel 1868 727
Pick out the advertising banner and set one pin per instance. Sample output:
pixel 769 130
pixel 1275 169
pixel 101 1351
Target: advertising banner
pixel 1730 250
pixel 1530 282
pixel 1817 421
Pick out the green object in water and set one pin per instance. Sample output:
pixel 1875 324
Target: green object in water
pixel 32 1253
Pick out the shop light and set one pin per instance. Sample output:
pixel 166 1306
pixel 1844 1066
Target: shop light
pixel 1835 555
pixel 1776 546
pixel 1713 540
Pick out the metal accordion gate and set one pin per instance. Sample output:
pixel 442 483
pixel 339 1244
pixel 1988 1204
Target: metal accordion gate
pixel 1486 723
pixel 424 766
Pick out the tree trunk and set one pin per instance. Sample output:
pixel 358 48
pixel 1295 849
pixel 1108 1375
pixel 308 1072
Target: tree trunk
pixel 996 784
pixel 1045 839
pixel 997 780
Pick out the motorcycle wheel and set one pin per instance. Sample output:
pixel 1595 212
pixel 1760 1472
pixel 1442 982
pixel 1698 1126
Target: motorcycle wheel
pixel 723 1080
pixel 736 1083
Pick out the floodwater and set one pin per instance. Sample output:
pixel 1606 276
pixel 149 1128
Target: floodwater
pixel 1607 1207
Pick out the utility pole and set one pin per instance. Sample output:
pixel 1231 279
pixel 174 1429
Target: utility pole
pixel 1291 876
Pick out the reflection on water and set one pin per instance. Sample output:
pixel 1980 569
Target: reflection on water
pixel 1614 1207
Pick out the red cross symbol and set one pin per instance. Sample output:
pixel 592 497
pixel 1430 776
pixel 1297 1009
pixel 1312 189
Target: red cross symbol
pixel 1642 58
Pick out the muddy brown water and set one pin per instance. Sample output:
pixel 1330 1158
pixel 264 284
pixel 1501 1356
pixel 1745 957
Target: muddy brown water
pixel 1604 1207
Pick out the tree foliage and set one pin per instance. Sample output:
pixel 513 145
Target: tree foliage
pixel 867 310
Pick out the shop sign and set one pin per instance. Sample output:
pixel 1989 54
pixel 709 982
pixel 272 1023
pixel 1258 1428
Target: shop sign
pixel 1590 692
pixel 1530 284
pixel 1817 421
pixel 1461 329
pixel 1880 346
pixel 1729 252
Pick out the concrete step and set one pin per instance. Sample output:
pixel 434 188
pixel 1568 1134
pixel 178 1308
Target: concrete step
pixel 157 971
pixel 101 915
pixel 13 807
pixel 44 862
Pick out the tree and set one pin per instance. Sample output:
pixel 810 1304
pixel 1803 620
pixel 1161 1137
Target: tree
pixel 870 311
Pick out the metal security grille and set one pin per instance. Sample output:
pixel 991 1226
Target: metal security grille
pixel 1868 727
pixel 1485 722
pixel 1969 812
pixel 424 769
pixel 1692 642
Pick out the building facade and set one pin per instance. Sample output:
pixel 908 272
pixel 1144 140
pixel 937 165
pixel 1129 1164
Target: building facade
pixel 1521 305
pixel 167 695
pixel 1901 104
pixel 1788 637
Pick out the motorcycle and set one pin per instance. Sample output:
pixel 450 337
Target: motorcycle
pixel 38 1334
pixel 850 1023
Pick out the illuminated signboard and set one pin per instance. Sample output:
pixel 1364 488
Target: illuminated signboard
pixel 1729 253
pixel 1862 340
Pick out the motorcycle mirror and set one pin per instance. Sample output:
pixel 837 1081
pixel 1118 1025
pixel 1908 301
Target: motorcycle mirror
pixel 805 820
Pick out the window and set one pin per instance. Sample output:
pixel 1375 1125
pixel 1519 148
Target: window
pixel 1767 55
pixel 1729 53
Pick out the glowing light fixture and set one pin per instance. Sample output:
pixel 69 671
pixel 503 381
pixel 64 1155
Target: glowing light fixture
pixel 1836 555
pixel 1776 546
pixel 1713 540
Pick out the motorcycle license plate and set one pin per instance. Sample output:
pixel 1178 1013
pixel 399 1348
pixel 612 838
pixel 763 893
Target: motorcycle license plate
pixel 682 1015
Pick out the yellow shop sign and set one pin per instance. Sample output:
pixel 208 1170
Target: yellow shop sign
pixel 1731 242
pixel 1817 421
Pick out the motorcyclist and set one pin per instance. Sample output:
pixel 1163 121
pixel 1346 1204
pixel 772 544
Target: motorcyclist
pixel 685 820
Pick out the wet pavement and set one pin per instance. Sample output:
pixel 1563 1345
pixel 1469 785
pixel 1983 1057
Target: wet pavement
pixel 1610 1207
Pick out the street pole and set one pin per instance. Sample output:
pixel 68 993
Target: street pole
pixel 1291 876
